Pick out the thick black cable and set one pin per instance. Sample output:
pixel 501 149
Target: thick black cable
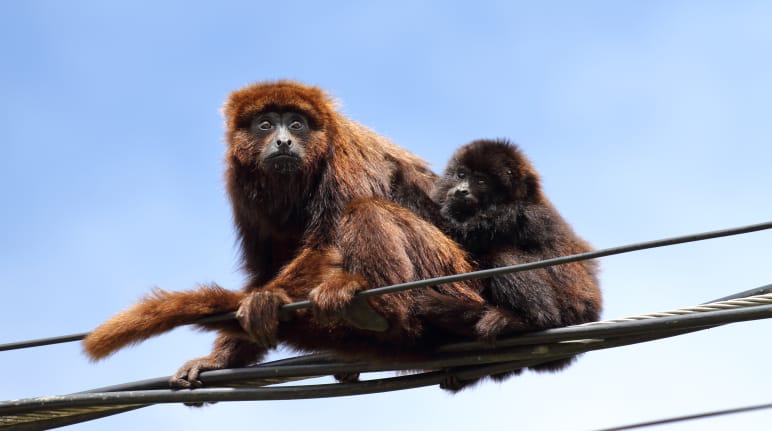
pixel 70 417
pixel 469 353
pixel 226 394
pixel 38 413
pixel 94 405
pixel 459 277
pixel 525 356
pixel 274 368
pixel 53 419
pixel 485 273
pixel 43 341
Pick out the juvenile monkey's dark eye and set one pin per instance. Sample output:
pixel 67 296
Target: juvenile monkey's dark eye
pixel 481 182
pixel 296 125
pixel 461 174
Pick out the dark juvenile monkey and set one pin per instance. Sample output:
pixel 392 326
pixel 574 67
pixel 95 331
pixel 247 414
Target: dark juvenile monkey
pixel 322 208
pixel 491 202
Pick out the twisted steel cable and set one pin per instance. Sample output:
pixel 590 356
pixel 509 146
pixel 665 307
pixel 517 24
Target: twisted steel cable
pixel 463 361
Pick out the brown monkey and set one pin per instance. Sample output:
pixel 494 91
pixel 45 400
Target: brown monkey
pixel 322 210
pixel 491 202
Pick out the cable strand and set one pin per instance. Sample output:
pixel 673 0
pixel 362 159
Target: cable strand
pixel 458 277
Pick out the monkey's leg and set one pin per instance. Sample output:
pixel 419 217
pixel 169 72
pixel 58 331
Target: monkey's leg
pixel 386 244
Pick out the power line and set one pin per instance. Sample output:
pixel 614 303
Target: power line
pixel 464 361
pixel 690 417
pixel 460 277
pixel 461 361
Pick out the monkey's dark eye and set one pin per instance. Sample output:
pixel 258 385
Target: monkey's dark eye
pixel 296 125
pixel 461 174
pixel 264 125
pixel 481 182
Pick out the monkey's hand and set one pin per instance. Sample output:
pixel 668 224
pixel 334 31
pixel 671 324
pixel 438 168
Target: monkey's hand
pixel 259 315
pixel 336 297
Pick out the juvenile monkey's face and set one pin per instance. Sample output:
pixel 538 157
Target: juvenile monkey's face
pixel 463 192
pixel 282 138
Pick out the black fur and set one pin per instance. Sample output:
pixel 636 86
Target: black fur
pixel 491 202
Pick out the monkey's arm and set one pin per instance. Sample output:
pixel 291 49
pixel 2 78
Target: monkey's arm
pixel 415 198
pixel 524 226
pixel 160 312
pixel 529 294
pixel 521 301
pixel 315 274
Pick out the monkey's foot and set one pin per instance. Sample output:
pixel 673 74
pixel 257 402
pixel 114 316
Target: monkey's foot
pixel 259 315
pixel 187 376
pixel 495 322
pixel 347 377
pixel 336 298
pixel 453 384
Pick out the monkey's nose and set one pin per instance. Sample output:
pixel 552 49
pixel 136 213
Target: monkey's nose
pixel 284 143
pixel 462 192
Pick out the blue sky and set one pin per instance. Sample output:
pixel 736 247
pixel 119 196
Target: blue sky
pixel 645 119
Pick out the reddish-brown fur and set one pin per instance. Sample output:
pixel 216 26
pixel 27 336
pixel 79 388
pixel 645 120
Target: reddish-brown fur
pixel 338 225
pixel 159 312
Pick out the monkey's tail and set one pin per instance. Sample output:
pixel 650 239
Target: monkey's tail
pixel 159 312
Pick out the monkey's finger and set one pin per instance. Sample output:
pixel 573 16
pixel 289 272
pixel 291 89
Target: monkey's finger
pixel 184 383
pixel 265 340
pixel 264 332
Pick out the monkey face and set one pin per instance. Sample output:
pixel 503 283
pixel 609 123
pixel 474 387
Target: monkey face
pixel 483 174
pixel 282 137
pixel 463 192
pixel 252 143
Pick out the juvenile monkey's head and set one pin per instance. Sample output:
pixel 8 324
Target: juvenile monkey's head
pixel 280 127
pixel 485 173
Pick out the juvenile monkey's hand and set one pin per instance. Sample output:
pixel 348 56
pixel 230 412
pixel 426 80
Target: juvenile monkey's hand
pixel 336 297
pixel 259 315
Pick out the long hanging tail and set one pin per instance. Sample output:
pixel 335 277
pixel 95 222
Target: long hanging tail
pixel 159 312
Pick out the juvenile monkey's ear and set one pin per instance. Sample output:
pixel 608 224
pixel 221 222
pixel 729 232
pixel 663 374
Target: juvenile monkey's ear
pixel 531 183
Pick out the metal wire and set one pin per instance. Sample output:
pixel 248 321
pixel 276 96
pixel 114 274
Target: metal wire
pixel 637 325
pixel 690 417
pixel 762 299
pixel 458 277
pixel 462 361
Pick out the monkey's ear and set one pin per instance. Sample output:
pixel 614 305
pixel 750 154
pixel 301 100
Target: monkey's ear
pixel 510 177
pixel 531 186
